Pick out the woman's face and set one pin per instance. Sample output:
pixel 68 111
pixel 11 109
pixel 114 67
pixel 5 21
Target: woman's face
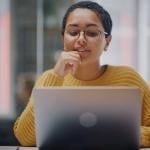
pixel 84 33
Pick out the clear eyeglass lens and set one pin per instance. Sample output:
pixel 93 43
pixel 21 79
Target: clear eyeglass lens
pixel 92 34
pixel 73 33
pixel 89 33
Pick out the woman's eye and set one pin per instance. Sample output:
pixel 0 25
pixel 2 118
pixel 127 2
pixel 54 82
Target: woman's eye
pixel 92 33
pixel 73 33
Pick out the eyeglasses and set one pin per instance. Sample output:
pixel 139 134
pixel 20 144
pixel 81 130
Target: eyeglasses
pixel 89 33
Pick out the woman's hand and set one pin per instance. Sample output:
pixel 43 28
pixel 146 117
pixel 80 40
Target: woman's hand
pixel 68 63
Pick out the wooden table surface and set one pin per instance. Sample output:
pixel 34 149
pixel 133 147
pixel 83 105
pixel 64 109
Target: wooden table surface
pixel 33 148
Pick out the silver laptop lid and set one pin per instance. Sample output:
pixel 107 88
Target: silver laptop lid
pixel 81 117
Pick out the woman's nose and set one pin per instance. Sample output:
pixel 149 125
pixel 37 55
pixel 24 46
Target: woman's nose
pixel 81 38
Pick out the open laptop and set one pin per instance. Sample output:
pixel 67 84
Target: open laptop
pixel 87 118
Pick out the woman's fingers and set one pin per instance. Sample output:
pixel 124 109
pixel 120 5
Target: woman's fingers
pixel 67 63
pixel 72 61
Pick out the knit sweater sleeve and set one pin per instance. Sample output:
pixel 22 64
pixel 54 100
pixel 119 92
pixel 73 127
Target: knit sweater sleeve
pixel 129 77
pixel 145 129
pixel 24 128
pixel 145 123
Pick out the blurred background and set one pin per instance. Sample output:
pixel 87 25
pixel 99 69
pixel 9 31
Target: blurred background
pixel 30 42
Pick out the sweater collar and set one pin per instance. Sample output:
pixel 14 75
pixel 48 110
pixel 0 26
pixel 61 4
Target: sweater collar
pixel 71 80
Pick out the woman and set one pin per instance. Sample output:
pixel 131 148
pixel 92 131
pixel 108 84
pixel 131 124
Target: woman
pixel 86 32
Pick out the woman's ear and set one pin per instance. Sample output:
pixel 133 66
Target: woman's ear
pixel 108 40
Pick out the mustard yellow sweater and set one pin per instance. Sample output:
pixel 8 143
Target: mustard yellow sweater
pixel 24 128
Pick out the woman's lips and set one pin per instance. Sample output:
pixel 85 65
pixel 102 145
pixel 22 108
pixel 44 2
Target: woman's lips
pixel 83 52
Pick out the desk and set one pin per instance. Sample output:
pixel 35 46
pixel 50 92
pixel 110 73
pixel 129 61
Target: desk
pixel 33 148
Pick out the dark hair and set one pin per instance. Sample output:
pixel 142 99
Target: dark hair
pixel 104 16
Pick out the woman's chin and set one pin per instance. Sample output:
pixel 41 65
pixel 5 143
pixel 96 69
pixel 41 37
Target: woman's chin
pixel 84 54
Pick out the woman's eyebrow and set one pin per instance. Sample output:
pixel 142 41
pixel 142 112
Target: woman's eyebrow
pixel 73 25
pixel 92 25
pixel 88 25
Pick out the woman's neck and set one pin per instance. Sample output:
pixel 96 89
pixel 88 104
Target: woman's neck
pixel 88 72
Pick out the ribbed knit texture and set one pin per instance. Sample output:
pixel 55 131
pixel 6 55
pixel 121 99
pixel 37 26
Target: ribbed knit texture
pixel 24 128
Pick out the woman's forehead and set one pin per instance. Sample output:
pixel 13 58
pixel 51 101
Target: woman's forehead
pixel 88 26
pixel 83 16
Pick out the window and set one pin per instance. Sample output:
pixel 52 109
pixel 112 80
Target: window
pixel 6 108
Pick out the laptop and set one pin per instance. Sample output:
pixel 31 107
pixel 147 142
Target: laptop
pixel 87 118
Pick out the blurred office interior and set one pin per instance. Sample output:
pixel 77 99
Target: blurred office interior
pixel 30 43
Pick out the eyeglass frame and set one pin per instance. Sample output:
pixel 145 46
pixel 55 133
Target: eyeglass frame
pixel 85 36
